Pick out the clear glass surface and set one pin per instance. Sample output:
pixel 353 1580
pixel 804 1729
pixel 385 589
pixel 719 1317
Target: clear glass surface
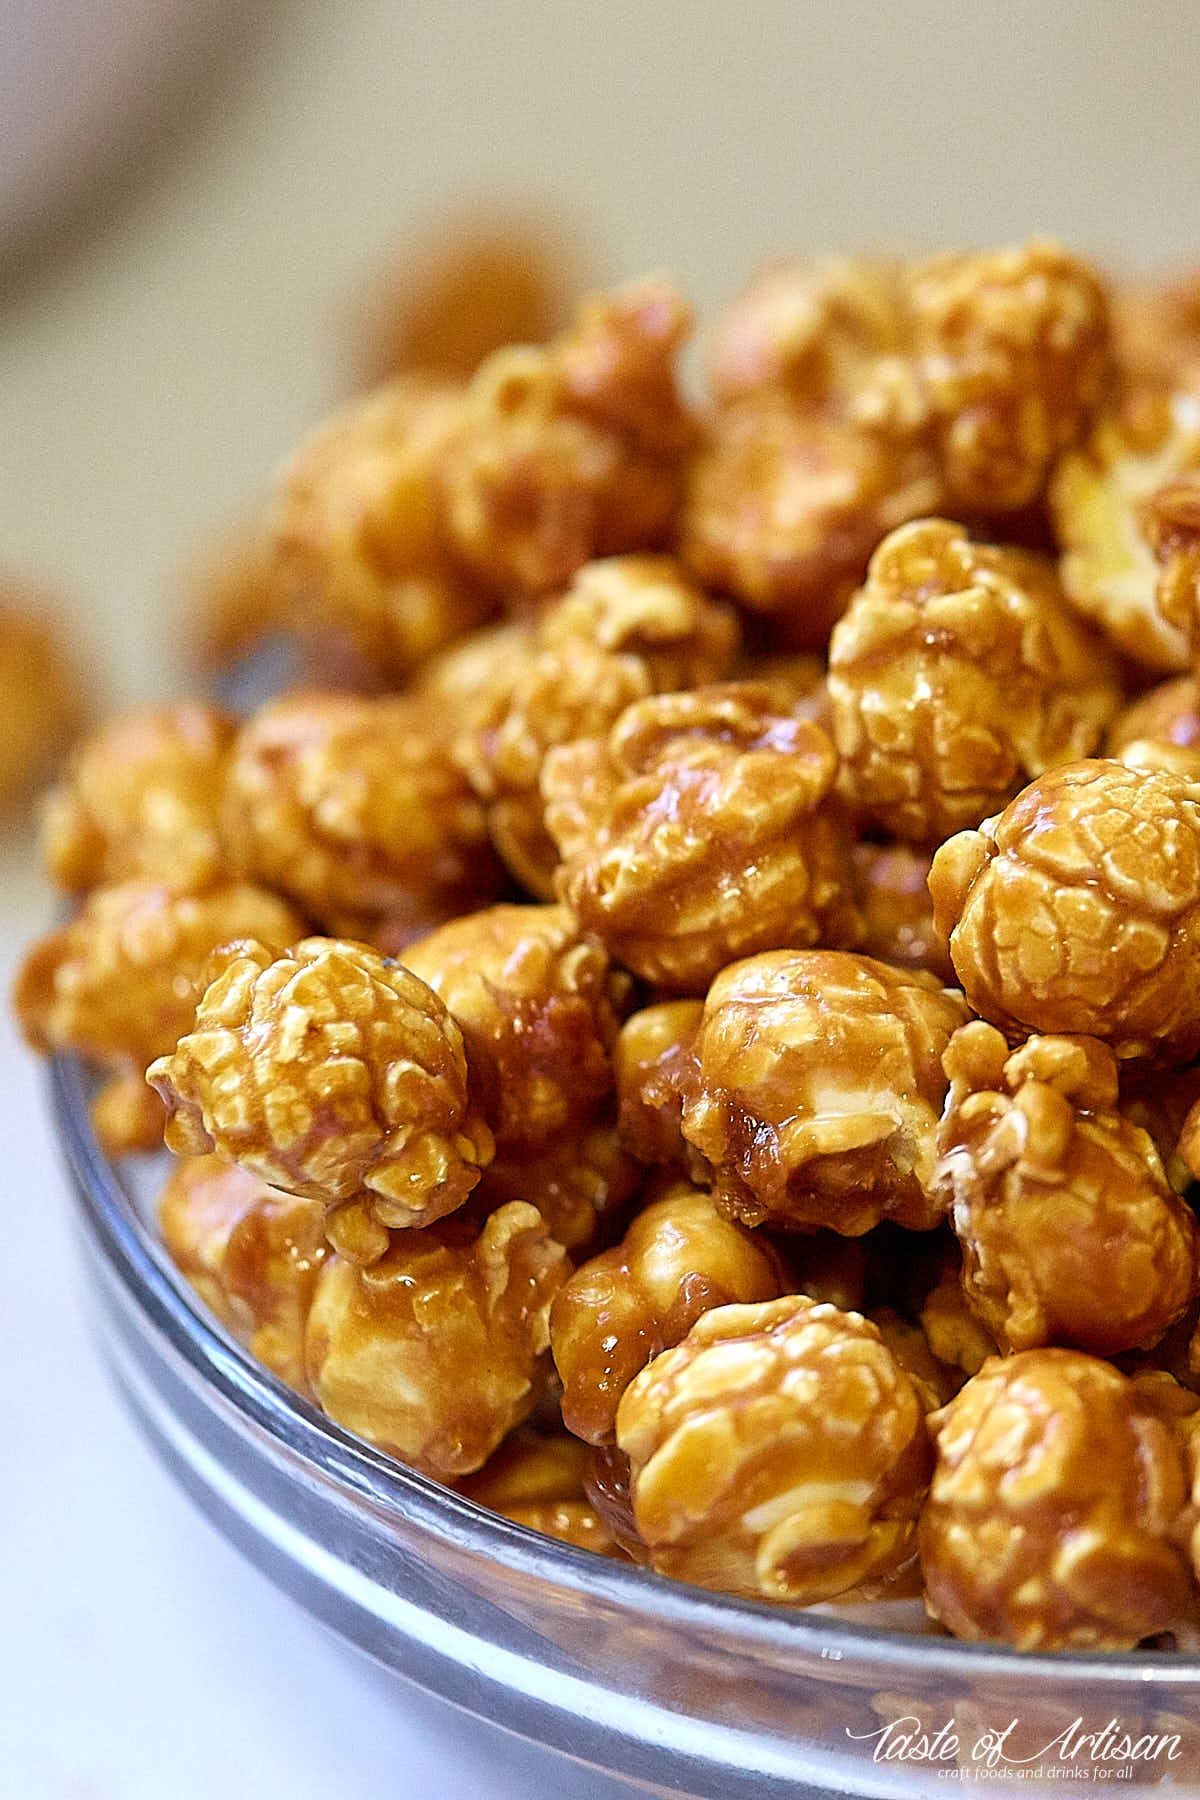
pixel 685 1691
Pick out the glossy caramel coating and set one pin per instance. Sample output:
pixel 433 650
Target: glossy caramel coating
pixel 701 829
pixel 326 1071
pixel 357 534
pixel 574 451
pixel 1052 1510
pixel 819 1089
pixel 438 1349
pixel 353 808
pixel 251 1253
pixel 956 674
pixel 1077 910
pixel 1070 1231
pixel 1166 714
pixel 779 1451
pixel 538 1482
pixel 143 799
pixel 42 695
pixel 678 1260
pixel 1171 523
pixel 1098 498
pixel 579 1183
pixel 891 882
pixel 654 1063
pixel 627 627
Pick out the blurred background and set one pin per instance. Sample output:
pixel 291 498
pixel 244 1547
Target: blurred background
pixel 200 204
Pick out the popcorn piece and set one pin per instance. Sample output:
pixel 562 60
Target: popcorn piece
pixel 438 1349
pixel 572 452
pixel 955 675
pixel 539 1482
pixel 1053 1508
pixel 1071 1233
pixel 655 1064
pixel 629 626
pixel 1171 522
pixel 41 698
pixel 325 1072
pixel 819 1089
pixel 935 1381
pixel 779 1451
pixel 677 1261
pixel 1167 714
pixel 955 1334
pixel 119 984
pixel 353 808
pixel 1098 498
pixel 891 882
pixel 1157 329
pixel 253 1255
pixel 143 799
pixel 1078 910
pixel 700 830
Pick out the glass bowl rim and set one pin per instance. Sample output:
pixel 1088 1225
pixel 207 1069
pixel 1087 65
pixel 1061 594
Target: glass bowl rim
pixel 131 1253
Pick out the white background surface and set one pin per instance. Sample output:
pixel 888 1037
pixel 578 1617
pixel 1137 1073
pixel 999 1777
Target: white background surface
pixel 151 372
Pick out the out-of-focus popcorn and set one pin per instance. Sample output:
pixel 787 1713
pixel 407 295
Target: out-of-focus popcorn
pixel 891 882
pixel 1171 522
pixel 571 452
pixel 1054 1508
pixel 1156 324
pixel 654 1064
pixel 252 1254
pixel 957 674
pixel 118 985
pixel 955 1334
pixel 354 809
pixel 333 1074
pixel 538 1481
pixel 438 1349
pixel 678 1260
pixel 1166 714
pixel 42 703
pixel 143 798
pixel 779 1451
pixel 1077 910
pixel 1098 498
pixel 1071 1233
pixel 628 626
pixel 819 1086
pixel 701 829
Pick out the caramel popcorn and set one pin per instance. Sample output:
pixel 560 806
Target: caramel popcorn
pixel 328 1071
pixel 358 535
pixel 628 626
pixel 1171 522
pixel 1157 327
pixel 677 1261
pixel 701 830
pixel 579 1184
pixel 539 1482
pixel 1051 1515
pixel 654 1063
pixel 1071 1233
pixel 935 1381
pixel 144 799
pixel 1167 714
pixel 574 451
pixel 1078 909
pixel 41 697
pixel 955 675
pixel 438 1349
pixel 354 809
pixel 956 1335
pixel 779 1451
pixel 891 882
pixel 119 984
pixel 819 1086
pixel 1098 498
pixel 253 1255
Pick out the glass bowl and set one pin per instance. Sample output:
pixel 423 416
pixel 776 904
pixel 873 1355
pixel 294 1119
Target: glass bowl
pixel 664 1684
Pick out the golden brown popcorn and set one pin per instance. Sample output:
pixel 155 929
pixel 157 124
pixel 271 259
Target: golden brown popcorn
pixel 819 1088
pixel 627 627
pixel 654 1063
pixel 677 1261
pixel 252 1254
pixel 1070 1231
pixel 333 1074
pixel 358 533
pixel 1176 759
pixel 119 984
pixel 1157 328
pixel 143 798
pixel 1077 910
pixel 780 1451
pixel 935 1381
pixel 574 451
pixel 955 675
pixel 579 1183
pixel 701 830
pixel 955 1334
pixel 892 885
pixel 1051 1518
pixel 539 1482
pixel 42 702
pixel 1167 714
pixel 1171 522
pixel 438 1349
pixel 1097 498
pixel 354 809
pixel 1012 356
pixel 784 508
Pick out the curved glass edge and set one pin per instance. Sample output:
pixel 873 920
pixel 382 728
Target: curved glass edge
pixel 131 1253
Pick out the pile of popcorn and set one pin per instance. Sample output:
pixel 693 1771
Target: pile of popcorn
pixel 694 1041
